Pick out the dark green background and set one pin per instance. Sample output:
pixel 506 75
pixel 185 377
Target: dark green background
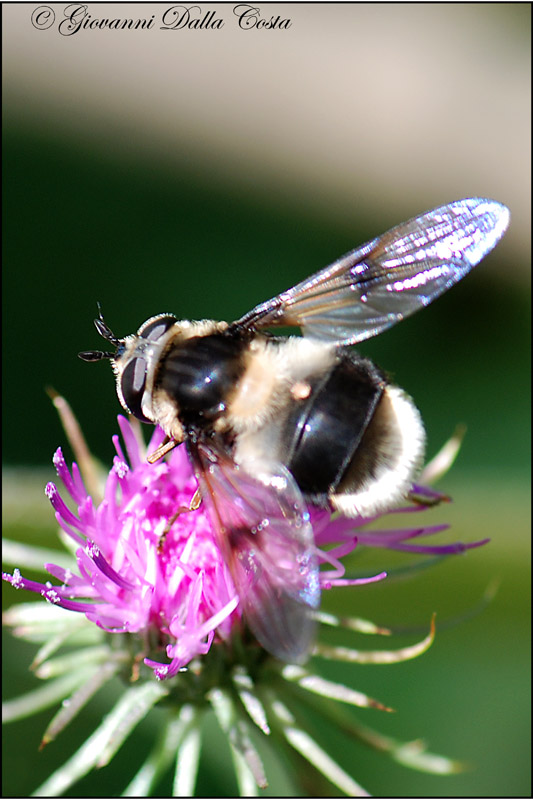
pixel 81 226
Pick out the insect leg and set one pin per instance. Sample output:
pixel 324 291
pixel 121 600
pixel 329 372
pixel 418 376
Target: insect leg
pixel 168 445
pixel 194 505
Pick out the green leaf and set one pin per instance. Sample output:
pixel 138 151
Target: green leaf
pixel 102 745
pixel 45 696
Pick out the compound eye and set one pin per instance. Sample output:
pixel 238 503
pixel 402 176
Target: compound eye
pixel 132 384
pixel 154 328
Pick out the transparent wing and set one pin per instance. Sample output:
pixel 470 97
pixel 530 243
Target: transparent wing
pixel 391 277
pixel 263 531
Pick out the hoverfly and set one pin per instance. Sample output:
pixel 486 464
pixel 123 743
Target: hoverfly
pixel 272 423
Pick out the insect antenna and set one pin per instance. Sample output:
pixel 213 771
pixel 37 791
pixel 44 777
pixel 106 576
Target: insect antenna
pixel 106 333
pixel 103 328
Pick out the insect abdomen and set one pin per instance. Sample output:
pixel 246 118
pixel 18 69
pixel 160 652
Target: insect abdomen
pixel 323 434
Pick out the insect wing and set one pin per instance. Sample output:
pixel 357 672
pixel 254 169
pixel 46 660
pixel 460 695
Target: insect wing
pixel 391 277
pixel 263 531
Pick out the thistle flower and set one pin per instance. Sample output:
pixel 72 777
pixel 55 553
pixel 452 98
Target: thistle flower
pixel 156 605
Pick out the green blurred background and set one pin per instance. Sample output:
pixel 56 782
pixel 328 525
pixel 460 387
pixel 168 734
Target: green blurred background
pixel 200 172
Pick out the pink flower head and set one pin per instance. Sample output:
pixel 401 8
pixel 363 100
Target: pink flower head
pixel 148 564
